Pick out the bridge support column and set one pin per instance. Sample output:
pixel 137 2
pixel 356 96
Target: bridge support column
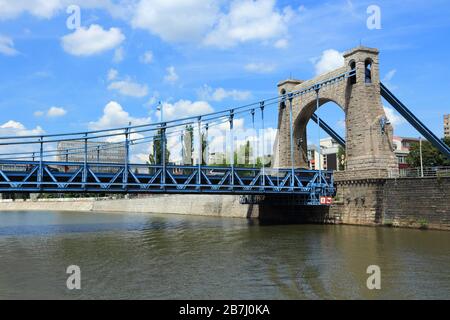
pixel 368 131
pixel 360 201
pixel 282 155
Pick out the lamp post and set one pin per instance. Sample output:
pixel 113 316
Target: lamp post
pixel 162 142
pixel 160 108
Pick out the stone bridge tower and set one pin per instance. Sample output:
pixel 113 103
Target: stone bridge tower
pixel 369 150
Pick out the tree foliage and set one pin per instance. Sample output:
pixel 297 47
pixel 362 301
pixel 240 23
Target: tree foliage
pixel 432 157
pixel 156 156
pixel 341 158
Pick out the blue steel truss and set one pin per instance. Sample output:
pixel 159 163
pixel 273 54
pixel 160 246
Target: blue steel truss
pixel 61 177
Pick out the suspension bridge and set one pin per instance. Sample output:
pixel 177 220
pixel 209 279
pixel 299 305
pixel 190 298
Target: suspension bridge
pixel 35 163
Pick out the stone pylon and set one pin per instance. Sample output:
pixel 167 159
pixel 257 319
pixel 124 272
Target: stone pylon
pixel 368 134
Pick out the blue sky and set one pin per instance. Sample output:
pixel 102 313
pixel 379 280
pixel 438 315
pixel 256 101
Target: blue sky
pixel 197 56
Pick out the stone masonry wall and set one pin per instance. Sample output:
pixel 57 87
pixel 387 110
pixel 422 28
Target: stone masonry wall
pixel 412 203
pixel 417 203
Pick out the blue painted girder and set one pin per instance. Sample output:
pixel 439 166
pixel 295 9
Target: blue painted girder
pixel 149 179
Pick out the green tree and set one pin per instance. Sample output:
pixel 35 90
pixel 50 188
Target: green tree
pixel 341 158
pixel 204 147
pixel 188 145
pixel 432 157
pixel 189 142
pixel 247 153
pixel 156 157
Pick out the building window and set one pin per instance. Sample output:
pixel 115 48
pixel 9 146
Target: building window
pixel 368 71
pixel 352 79
pixel 283 99
pixel 402 159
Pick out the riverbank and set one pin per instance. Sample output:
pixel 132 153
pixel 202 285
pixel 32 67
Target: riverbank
pixel 229 206
pixel 202 205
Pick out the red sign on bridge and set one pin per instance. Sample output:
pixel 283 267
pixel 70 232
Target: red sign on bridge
pixel 326 200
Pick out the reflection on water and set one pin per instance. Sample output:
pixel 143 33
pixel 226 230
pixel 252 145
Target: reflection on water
pixel 124 256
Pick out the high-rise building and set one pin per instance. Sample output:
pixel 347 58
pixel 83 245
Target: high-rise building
pixel 316 159
pixel 447 125
pixel 330 150
pixel 328 155
pixel 101 152
pixel 402 146
pixel 217 158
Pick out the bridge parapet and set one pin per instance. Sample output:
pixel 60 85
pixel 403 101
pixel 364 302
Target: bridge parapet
pixel 346 176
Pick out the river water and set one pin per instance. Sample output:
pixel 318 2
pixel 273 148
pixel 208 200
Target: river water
pixel 137 256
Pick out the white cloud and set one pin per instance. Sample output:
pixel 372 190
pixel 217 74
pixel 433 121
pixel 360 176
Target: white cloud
pixel 119 55
pixel 171 75
pixel 330 60
pixel 281 44
pixel 115 116
pixel 129 88
pixel 219 94
pixel 126 86
pixel 14 128
pixel 52 112
pixel 249 20
pixel 184 108
pixel 38 8
pixel 46 9
pixel 55 112
pixel 259 67
pixel 92 40
pixel 112 74
pixel 7 46
pixel 215 22
pixel 388 77
pixel 394 118
pixel 147 57
pixel 176 20
pixel 153 99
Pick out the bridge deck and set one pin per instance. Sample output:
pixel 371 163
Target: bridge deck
pixel 64 177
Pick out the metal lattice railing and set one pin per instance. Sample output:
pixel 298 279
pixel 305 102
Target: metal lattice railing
pixel 134 178
pixel 427 172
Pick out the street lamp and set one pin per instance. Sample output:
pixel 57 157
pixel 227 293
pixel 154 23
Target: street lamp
pixel 162 141
pixel 160 108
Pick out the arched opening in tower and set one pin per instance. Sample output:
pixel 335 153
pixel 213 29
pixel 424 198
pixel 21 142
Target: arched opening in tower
pixel 368 71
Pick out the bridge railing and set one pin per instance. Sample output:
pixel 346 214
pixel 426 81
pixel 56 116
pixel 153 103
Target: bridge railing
pixel 427 172
pixel 27 176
